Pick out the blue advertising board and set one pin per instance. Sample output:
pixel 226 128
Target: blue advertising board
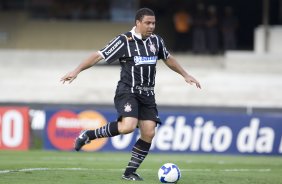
pixel 202 132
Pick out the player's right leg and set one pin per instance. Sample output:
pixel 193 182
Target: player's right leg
pixel 125 126
pixel 127 108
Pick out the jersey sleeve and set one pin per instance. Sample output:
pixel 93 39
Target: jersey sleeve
pixel 163 52
pixel 114 50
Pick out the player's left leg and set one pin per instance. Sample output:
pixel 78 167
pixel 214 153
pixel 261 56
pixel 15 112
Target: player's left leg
pixel 148 119
pixel 140 149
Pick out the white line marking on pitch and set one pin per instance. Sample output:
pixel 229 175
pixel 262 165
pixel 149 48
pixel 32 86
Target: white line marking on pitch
pixel 115 170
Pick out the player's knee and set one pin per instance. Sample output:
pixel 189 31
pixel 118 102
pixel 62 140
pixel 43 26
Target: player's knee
pixel 148 135
pixel 125 130
pixel 126 127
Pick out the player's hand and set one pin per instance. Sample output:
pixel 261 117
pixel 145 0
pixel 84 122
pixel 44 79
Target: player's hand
pixel 190 79
pixel 69 77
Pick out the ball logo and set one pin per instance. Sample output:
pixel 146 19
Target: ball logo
pixel 64 126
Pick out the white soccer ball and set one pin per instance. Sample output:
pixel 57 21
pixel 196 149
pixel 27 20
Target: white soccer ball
pixel 169 173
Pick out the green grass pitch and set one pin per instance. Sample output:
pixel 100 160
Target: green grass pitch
pixel 52 167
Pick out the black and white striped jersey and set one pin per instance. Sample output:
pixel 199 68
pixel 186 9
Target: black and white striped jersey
pixel 138 59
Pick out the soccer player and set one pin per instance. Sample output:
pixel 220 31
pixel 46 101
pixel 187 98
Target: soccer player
pixel 137 51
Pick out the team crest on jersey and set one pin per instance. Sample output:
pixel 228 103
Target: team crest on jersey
pixel 152 47
pixel 127 107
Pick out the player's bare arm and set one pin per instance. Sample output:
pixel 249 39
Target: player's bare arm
pixel 175 66
pixel 87 63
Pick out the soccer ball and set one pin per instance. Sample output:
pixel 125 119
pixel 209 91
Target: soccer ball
pixel 169 173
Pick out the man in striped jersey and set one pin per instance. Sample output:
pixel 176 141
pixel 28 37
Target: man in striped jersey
pixel 137 51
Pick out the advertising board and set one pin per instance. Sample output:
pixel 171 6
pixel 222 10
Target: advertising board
pixel 220 133
pixel 14 128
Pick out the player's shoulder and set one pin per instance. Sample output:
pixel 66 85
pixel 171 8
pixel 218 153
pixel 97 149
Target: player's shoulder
pixel 128 36
pixel 157 37
pixel 121 37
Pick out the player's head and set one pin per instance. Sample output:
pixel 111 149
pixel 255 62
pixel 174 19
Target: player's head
pixel 145 21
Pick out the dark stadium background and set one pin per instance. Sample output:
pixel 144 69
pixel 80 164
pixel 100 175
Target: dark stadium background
pixel 249 12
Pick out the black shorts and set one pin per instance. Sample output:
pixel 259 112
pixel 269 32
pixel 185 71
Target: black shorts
pixel 138 106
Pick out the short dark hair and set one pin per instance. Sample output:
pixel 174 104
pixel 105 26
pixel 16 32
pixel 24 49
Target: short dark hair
pixel 142 12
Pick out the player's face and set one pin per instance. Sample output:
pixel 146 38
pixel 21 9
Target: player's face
pixel 146 26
